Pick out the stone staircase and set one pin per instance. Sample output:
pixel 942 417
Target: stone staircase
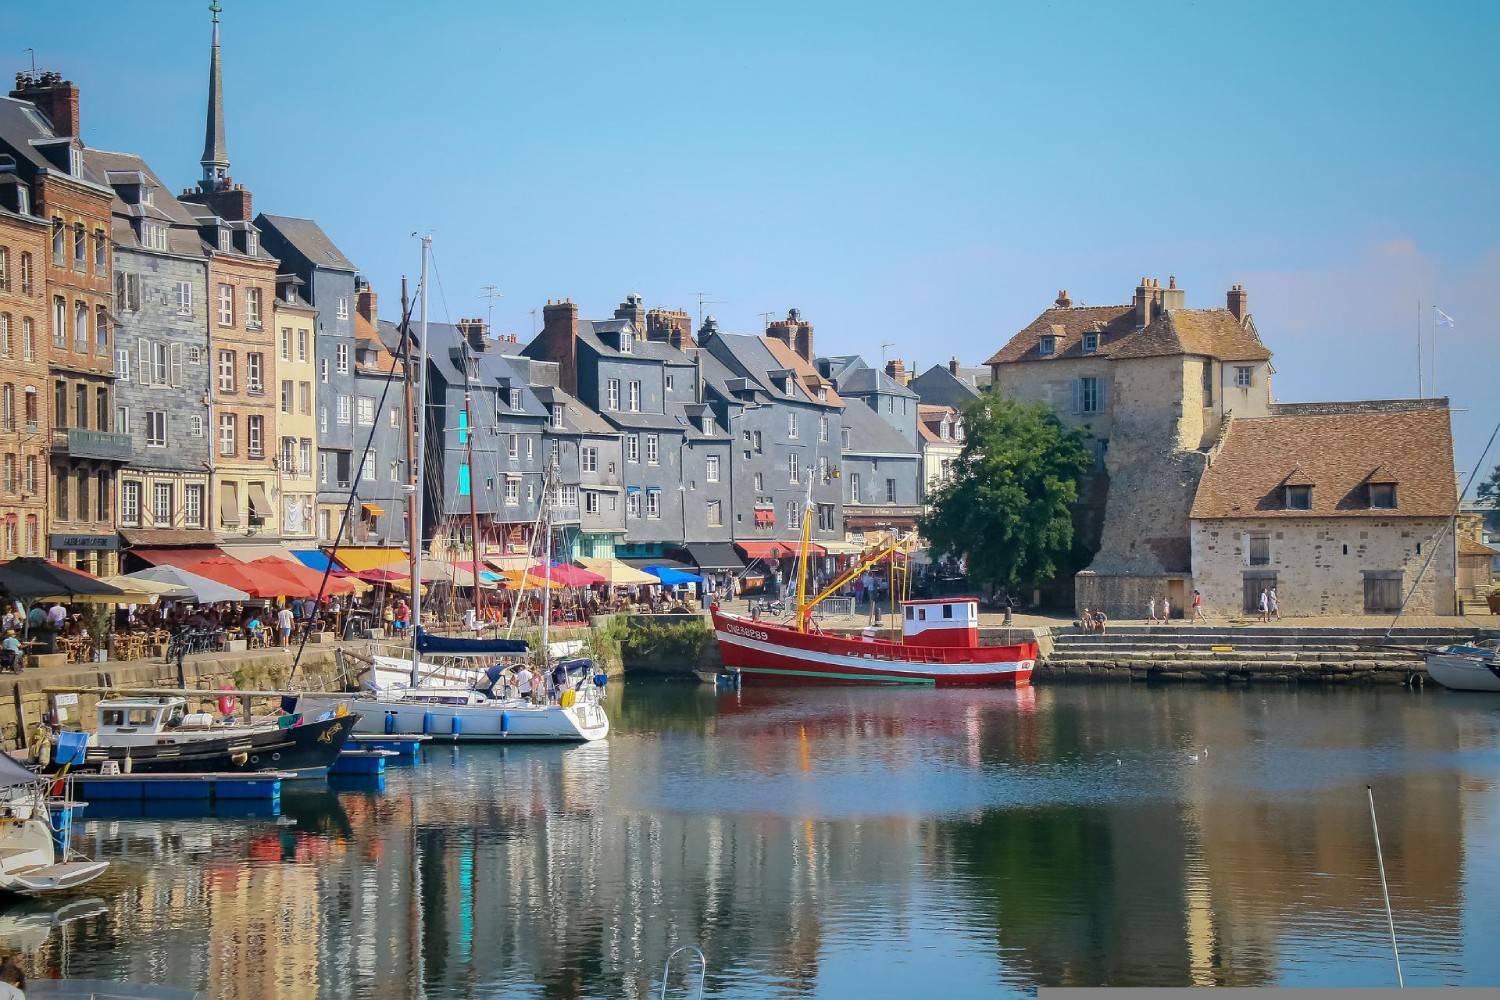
pixel 1255 653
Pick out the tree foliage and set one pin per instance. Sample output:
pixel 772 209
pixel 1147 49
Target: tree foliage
pixel 1489 490
pixel 1007 507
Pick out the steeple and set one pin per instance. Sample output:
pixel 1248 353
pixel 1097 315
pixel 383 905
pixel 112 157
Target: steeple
pixel 215 153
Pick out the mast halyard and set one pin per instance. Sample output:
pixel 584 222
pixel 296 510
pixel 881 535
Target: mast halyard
pixel 420 418
pixel 548 485
pixel 473 504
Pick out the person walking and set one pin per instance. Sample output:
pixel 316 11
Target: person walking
pixel 1151 610
pixel 284 620
pixel 1275 606
pixel 1197 606
pixel 1265 605
pixel 1166 611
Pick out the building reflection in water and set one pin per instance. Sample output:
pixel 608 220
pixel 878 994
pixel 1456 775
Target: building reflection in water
pixel 847 841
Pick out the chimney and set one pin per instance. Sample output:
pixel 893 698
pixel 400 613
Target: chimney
pixel 559 341
pixel 474 330
pixel 896 369
pixel 1238 302
pixel 1172 297
pixel 367 303
pixel 795 333
pixel 633 309
pixel 670 326
pixel 708 329
pixel 1148 302
pixel 1063 302
pixel 953 367
pixel 231 202
pixel 54 97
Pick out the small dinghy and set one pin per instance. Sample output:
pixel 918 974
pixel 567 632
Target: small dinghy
pixel 36 857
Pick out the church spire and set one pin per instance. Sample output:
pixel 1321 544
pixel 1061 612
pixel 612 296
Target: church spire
pixel 215 152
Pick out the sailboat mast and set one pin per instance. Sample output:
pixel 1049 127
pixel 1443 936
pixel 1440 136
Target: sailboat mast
pixel 420 417
pixel 547 486
pixel 411 444
pixel 473 504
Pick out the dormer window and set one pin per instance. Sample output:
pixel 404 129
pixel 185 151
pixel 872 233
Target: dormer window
pixel 250 243
pixel 626 342
pixel 557 415
pixel 1048 346
pixel 1298 498
pixel 148 196
pixel 225 245
pixel 153 236
pixel 1090 343
pixel 1382 496
pixel 707 423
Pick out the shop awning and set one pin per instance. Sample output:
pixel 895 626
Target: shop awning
pixel 641 564
pixel 314 559
pixel 766 550
pixel 301 581
pixel 229 509
pixel 177 557
pixel 566 574
pixel 673 577
pixel 373 509
pixel 260 550
pixel 362 559
pixel 616 573
pixel 259 500
pixel 763 516
pixel 714 555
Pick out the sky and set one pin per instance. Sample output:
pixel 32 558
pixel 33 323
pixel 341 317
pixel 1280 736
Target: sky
pixel 918 179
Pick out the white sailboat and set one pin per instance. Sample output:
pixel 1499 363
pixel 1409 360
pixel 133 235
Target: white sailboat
pixel 448 710
pixel 29 846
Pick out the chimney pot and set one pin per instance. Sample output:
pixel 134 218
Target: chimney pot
pixel 54 97
pixel 1238 302
pixel 953 366
pixel 1063 301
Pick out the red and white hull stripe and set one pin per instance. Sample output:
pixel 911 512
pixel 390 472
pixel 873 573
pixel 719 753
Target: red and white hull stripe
pixel 788 656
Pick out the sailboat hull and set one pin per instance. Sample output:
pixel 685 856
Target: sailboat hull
pixel 443 720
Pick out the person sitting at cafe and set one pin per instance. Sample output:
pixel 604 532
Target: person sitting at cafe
pixel 10 651
pixel 252 624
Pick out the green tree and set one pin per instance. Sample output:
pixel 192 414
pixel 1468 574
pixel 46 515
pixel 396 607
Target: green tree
pixel 1007 507
pixel 1489 490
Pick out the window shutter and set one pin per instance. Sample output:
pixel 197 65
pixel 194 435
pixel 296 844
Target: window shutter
pixel 1103 401
pixel 1078 395
pixel 176 365
pixel 143 360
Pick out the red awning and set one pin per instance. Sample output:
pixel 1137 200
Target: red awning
pixel 303 582
pixel 181 558
pixel 773 550
pixel 242 576
pixel 763 516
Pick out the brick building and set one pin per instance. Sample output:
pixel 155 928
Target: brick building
pixel 25 432
pixel 39 131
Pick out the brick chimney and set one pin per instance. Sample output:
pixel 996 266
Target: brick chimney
pixel 1063 302
pixel 475 332
pixel 670 326
pixel 1148 302
pixel 231 202
pixel 559 341
pixel 54 97
pixel 1238 301
pixel 953 367
pixel 896 369
pixel 795 333
pixel 367 302
pixel 633 309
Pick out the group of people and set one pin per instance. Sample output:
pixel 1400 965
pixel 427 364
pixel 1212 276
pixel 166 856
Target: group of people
pixel 42 625
pixel 1267 606
pixel 529 682
pixel 1092 621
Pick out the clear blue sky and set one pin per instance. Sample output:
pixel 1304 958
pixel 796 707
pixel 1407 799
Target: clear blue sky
pixel 924 175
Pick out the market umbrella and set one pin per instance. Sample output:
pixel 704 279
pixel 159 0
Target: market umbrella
pixel 199 589
pixel 616 573
pixel 525 581
pixel 672 577
pixel 248 578
pixel 30 578
pixel 568 576
pixel 148 591
pixel 303 582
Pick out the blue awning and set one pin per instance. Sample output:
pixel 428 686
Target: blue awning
pixel 632 489
pixel 672 577
pixel 315 559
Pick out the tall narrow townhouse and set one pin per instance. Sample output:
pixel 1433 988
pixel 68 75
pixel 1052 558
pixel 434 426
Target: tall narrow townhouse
pixel 25 435
pixel 380 464
pixel 161 358
pixel 296 427
pixel 39 130
pixel 242 338
pixel 331 285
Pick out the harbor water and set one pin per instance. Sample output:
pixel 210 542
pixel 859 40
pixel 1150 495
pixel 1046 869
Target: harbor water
pixel 835 843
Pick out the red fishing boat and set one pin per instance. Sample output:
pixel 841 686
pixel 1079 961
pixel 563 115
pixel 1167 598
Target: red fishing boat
pixel 938 641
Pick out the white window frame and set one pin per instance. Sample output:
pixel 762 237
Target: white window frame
pixel 156 436
pixel 226 304
pixel 653 449
pixel 711 468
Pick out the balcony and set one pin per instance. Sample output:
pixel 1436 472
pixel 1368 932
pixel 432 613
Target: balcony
pixel 79 443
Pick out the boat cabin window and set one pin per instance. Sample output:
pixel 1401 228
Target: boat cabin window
pixel 922 614
pixel 947 611
pixel 127 717
pixel 911 613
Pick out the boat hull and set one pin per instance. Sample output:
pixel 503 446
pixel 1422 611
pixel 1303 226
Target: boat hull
pixel 307 751
pixel 488 722
pixel 774 653
pixel 1459 672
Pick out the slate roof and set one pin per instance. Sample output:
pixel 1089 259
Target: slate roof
pixel 930 422
pixel 1338 452
pixel 309 240
pixel 861 378
pixel 812 381
pixel 939 382
pixel 868 434
pixel 1212 332
pixel 577 418
pixel 21 124
pixel 493 366
pixel 183 237
pixel 755 358
pixel 589 331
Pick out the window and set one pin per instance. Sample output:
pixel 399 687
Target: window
pixel 669 381
pixel 81 405
pixel 31 479
pixel 156 428
pixel 633 397
pixel 192 506
pixel 153 236
pixel 255 436
pixel 251 243
pixel 760 482
pixel 101 250
pixel 844 436
pixel 304 457
pixel 793 512
pixel 791 426
pixel 323 371
pixel 1090 395
pixel 367 469
pixel 653 503
pixel 323 467
pixel 80 326
pixel 890 491
pixel 651 449
pixel 195 425
pixel 513 448
pixel 1383 496
pixel 80 247
pixel 1258 550
pixel 122 362
pixel 711 468
pixel 122 419
pixel 633 503
pixel 10 473
pixel 512 493
pixel 854 487
pixel 252 308
pixel 626 342
pixel 288 455
pixel 515 396
pixel 130 501
pixel 184 298
pixel 161 504
pixel 1047 346
pixel 225 241
pixel 1090 343
pixel 286 395
pixel 344 405
pixel 59 242
pixel 756 438
pixel 343 359
pixel 395 471
pixel 226 305
pixel 557 415
pixel 82 479
pixel 793 467
pixel 395 416
pixel 612 395
pixel 343 307
pixel 28 339
pixel 632 447
pixel 322 420
pixel 4 269
pixel 227 433
pixel 27 281
pixel 305 398
pixel 1242 376
pixel 588 458
pixel 226 371
pixel 825 517
pixel 254 370
pixel 301 345
pixel 365 411
pixel 570 496
pixel 715 514
pixel 590 502
pixel 465 480
pixel 1299 498
pixel 529 445
pixel 286 343
pixel 823 428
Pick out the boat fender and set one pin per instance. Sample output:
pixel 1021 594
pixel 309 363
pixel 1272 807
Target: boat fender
pixel 390 723
pixel 600 680
pixel 426 722
pixel 568 698
pixel 129 764
pixel 504 723
pixel 238 759
pixel 458 725
pixel 341 711
pixel 41 746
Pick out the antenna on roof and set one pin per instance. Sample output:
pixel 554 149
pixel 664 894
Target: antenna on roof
pixel 704 300
pixel 33 60
pixel 491 292
pixel 883 348
pixel 765 320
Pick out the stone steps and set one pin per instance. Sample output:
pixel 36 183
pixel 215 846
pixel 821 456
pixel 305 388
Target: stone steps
pixel 1221 659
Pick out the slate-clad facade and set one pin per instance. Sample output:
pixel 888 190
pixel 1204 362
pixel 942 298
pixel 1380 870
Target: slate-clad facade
pixel 880 473
pixel 884 395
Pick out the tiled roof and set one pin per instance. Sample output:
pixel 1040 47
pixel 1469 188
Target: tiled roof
pixel 1212 332
pixel 309 240
pixel 1470 547
pixel 807 376
pixel 930 423
pixel 1337 453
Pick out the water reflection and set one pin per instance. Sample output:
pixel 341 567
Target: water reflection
pixel 829 843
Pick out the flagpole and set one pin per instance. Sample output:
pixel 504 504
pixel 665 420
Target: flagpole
pixel 1432 360
pixel 1419 348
